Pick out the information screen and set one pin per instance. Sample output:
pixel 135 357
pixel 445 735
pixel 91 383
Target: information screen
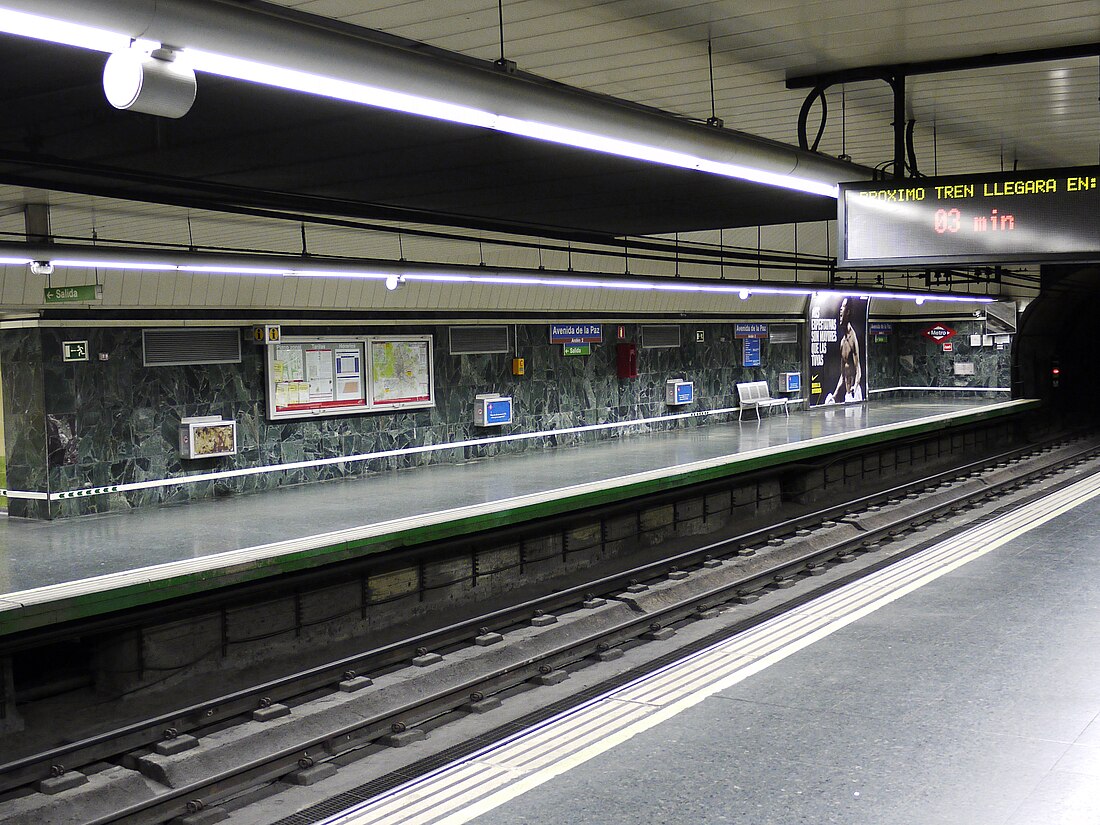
pixel 1009 217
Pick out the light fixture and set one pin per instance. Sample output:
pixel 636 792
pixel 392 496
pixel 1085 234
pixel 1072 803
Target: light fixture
pixel 396 274
pixel 163 88
pixel 154 83
pixel 41 268
pixel 920 300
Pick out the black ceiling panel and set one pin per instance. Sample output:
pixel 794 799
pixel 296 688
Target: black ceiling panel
pixel 248 145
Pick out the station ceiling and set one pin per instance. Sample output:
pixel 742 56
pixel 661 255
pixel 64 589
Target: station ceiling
pixel 252 147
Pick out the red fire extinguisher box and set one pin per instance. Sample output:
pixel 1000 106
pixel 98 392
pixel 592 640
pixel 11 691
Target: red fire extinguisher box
pixel 626 360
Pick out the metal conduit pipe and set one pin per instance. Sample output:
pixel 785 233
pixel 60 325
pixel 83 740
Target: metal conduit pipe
pixel 263 34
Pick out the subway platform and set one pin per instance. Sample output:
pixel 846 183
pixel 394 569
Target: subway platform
pixel 52 572
pixel 961 686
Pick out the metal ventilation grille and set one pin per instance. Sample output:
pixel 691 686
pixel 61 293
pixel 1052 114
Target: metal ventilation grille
pixel 476 340
pixel 783 334
pixel 660 336
pixel 175 346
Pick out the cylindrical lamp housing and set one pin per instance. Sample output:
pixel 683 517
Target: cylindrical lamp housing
pixel 140 82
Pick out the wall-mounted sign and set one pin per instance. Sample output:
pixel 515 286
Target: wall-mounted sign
pixel 576 349
pixel 838 349
pixel 750 330
pixel 880 327
pixel 492 410
pixel 678 391
pixel 700 336
pixel 74 350
pixel 266 333
pixel 207 436
pixel 938 333
pixel 353 374
pixel 576 333
pixel 72 294
pixel 949 346
pixel 1026 216
pixel 750 352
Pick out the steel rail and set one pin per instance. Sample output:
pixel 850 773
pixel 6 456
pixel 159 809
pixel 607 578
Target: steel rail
pixel 223 708
pixel 275 764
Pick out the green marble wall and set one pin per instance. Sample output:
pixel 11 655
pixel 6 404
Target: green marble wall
pixel 115 421
pixel 908 359
pixel 24 418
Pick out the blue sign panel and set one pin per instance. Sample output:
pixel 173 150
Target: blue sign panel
pixel 685 393
pixel 498 411
pixel 793 381
pixel 750 330
pixel 751 350
pixel 881 327
pixel 576 333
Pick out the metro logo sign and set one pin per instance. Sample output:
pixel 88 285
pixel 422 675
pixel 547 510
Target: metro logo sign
pixel 938 333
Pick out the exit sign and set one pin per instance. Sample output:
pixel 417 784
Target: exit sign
pixel 74 350
pixel 73 294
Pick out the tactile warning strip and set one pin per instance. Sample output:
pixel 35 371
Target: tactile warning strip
pixel 457 784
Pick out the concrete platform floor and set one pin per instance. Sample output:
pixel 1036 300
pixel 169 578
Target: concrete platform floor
pixel 974 700
pixel 37 554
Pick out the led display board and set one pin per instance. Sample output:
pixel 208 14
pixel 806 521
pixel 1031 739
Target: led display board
pixel 1004 217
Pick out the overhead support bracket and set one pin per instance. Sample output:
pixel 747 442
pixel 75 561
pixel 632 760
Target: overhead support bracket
pixel 896 79
pixel 896 76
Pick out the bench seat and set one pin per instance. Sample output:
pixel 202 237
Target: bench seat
pixel 755 395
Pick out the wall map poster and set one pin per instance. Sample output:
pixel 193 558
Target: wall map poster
pixel 838 349
pixel 338 376
pixel 400 372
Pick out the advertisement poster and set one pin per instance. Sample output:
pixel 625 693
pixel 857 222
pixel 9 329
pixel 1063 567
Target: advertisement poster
pixel 838 349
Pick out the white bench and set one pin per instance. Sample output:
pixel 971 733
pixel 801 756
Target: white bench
pixel 754 395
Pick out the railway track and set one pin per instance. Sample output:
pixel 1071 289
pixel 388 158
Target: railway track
pixel 187 764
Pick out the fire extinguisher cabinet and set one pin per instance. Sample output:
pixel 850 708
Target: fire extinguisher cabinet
pixel 626 360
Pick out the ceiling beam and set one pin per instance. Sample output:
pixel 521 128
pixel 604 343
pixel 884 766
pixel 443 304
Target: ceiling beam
pixel 954 64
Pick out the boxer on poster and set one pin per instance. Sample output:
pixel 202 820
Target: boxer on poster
pixel 851 373
pixel 838 347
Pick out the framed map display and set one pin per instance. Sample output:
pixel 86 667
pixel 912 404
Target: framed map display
pixel 323 376
pixel 400 372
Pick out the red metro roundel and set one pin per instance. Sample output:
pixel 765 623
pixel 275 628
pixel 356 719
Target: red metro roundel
pixel 938 333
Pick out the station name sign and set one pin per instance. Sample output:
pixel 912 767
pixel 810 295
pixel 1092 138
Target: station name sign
pixel 1005 217
pixel 750 330
pixel 576 333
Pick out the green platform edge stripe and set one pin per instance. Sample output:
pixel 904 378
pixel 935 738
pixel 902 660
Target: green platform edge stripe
pixel 18 619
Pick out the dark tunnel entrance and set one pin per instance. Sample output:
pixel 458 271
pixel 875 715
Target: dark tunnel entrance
pixel 1057 353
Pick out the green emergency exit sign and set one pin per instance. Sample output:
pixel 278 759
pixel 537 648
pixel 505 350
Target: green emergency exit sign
pixel 577 349
pixel 73 294
pixel 74 350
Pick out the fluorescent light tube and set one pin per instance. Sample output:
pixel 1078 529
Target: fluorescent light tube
pixel 62 32
pixel 72 34
pixel 401 274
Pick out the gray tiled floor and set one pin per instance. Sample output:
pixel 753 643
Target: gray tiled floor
pixel 34 554
pixel 972 701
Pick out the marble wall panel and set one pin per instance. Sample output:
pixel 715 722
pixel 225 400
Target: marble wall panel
pixel 125 416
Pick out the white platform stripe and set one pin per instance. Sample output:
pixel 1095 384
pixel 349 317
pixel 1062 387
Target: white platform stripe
pixel 427 799
pixel 214 561
pixel 360 457
pixel 428 448
pixel 528 759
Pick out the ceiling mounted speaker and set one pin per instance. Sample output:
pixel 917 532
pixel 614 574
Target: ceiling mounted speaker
pixel 151 83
